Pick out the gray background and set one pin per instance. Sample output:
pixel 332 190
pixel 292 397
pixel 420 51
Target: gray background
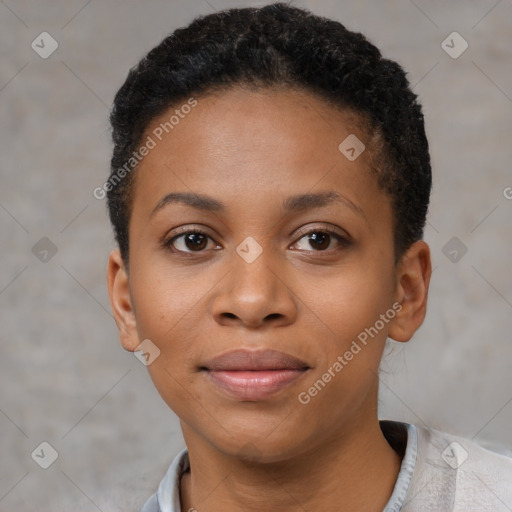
pixel 65 378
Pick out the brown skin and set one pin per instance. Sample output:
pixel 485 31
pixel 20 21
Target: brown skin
pixel 252 150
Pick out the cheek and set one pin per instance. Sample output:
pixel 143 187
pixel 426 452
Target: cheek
pixel 171 310
pixel 348 302
pixel 166 310
pixel 350 338
pixel 164 315
pixel 166 298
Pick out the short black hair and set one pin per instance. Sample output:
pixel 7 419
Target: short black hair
pixel 280 45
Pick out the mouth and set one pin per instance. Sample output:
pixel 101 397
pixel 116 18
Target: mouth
pixel 249 375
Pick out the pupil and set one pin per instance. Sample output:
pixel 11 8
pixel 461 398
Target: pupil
pixel 320 239
pixel 195 241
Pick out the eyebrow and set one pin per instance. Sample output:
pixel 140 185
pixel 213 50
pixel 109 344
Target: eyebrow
pixel 198 201
pixel 292 204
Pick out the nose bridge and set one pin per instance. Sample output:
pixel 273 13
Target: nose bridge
pixel 253 280
pixel 254 291
pixel 252 271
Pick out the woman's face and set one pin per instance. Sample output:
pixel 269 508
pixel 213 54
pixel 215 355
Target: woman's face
pixel 291 251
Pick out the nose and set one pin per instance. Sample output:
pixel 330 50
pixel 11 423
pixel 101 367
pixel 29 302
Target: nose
pixel 254 295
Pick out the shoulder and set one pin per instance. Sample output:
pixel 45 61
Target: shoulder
pixel 455 473
pixel 151 505
pixel 463 455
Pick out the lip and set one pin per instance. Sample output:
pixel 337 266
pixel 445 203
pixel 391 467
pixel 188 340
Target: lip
pixel 250 375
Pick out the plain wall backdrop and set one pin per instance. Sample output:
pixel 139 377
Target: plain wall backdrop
pixel 65 379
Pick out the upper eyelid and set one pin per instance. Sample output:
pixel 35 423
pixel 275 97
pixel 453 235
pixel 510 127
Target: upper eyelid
pixel 323 228
pixel 302 232
pixel 183 230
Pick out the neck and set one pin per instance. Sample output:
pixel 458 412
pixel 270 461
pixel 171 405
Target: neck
pixel 364 464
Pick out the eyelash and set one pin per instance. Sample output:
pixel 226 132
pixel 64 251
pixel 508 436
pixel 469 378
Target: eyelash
pixel 343 241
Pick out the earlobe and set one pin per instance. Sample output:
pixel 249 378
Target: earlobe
pixel 413 279
pixel 121 302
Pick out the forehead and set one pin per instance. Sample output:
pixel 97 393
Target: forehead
pixel 256 146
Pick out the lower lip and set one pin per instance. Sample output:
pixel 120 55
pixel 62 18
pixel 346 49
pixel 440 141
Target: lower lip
pixel 254 385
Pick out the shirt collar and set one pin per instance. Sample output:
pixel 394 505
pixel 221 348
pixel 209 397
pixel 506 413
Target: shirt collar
pixel 168 494
pixel 403 481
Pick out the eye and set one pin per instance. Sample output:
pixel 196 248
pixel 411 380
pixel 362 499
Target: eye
pixel 189 241
pixel 321 239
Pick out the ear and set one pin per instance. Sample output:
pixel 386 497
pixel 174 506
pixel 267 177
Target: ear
pixel 413 278
pixel 121 301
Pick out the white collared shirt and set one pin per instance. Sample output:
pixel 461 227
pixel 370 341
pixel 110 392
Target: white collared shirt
pixel 440 472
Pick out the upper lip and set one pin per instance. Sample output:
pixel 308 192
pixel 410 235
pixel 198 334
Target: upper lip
pixel 243 359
